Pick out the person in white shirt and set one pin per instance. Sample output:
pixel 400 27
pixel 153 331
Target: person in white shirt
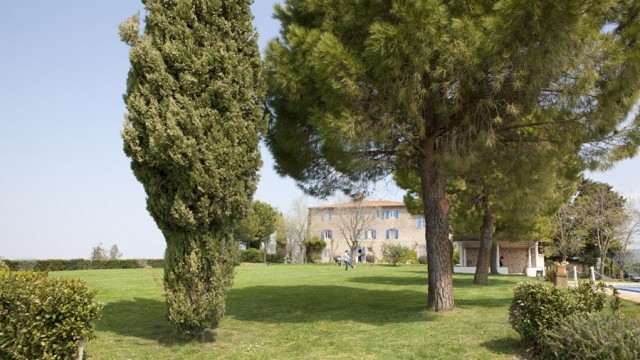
pixel 347 260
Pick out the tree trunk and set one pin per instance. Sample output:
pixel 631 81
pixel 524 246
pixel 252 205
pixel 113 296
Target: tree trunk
pixel 494 259
pixel 436 213
pixel 486 239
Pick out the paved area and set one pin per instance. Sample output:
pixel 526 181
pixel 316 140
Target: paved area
pixel 629 292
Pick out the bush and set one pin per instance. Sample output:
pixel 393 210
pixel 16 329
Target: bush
pixel 370 258
pixel 423 259
pixel 44 318
pixel 275 258
pixel 537 307
pixel 314 247
pixel 81 264
pixel 252 255
pixel 397 254
pixel 593 336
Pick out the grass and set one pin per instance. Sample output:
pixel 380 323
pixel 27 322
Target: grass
pixel 311 312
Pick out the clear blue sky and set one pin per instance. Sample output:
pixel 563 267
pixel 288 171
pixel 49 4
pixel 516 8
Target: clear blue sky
pixel 65 184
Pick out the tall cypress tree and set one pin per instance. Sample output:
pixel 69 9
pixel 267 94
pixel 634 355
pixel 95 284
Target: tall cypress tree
pixel 194 95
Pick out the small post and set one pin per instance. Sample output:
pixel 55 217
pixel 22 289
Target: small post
pixel 80 349
pixel 575 275
pixel 593 274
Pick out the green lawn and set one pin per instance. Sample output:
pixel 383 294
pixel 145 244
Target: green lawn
pixel 311 312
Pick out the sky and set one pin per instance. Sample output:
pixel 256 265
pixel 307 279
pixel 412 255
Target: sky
pixel 65 183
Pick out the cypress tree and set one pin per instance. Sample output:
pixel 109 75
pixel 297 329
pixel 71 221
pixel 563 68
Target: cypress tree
pixel 194 95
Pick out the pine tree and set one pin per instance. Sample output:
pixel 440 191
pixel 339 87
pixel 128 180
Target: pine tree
pixel 194 99
pixel 361 88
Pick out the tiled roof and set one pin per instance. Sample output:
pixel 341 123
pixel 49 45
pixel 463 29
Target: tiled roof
pixel 364 203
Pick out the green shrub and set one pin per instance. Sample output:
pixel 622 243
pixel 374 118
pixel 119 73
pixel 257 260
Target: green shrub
pixel 537 306
pixel 275 258
pixel 422 259
pixel 81 264
pixel 3 266
pixel 252 255
pixel 44 318
pixel 596 336
pixel 370 258
pixel 397 254
pixel 314 247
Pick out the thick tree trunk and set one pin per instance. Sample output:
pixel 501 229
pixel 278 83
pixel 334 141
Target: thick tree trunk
pixel 436 213
pixel 494 259
pixel 486 239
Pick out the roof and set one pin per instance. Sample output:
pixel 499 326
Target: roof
pixel 364 203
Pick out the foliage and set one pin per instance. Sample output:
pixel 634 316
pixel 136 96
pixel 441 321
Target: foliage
pixel 595 336
pixel 538 306
pixel 194 117
pixel 429 86
pixel 252 255
pixel 600 211
pixel 423 260
pixel 314 248
pixel 395 254
pixel 4 266
pixel 114 252
pixel 258 225
pixel 277 258
pixel 44 318
pixel 99 253
pixel 82 264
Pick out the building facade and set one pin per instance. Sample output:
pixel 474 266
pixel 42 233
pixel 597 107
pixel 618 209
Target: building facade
pixel 372 223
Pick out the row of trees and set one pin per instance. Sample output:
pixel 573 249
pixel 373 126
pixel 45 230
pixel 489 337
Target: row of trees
pixel 492 94
pixel 597 222
pixel 101 253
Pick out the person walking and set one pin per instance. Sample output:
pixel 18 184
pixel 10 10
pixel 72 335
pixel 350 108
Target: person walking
pixel 347 260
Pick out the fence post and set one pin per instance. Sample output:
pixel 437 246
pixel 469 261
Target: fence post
pixel 593 274
pixel 575 275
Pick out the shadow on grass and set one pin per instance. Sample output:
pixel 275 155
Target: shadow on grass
pixel 391 280
pixel 507 346
pixel 140 317
pixel 310 303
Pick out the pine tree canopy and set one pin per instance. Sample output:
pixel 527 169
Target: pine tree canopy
pixel 361 88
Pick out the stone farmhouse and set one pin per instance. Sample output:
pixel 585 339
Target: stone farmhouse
pixel 375 223
pixel 379 222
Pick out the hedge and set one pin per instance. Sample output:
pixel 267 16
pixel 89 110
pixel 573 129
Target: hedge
pixel 42 317
pixel 81 264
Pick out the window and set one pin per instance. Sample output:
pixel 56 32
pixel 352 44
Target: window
pixel 326 215
pixel 370 234
pixel 326 234
pixel 393 234
pixel 420 222
pixel 388 214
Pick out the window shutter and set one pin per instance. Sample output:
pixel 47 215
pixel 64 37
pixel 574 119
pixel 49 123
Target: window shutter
pixel 388 214
pixel 374 234
pixel 397 233
pixel 387 234
pixel 397 214
pixel 322 234
pixel 330 234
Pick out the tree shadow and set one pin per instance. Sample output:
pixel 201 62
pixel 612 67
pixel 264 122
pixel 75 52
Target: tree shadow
pixel 485 303
pixel 390 280
pixel 507 346
pixel 139 317
pixel 311 303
